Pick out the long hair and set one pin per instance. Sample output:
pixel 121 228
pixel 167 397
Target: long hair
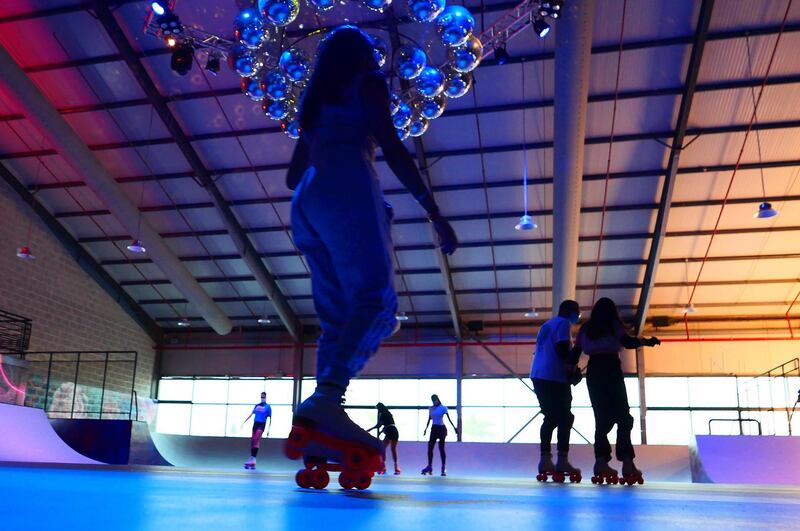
pixel 345 53
pixel 604 319
pixel 381 408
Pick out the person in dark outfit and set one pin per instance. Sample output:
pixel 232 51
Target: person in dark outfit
pixel 552 374
pixel 386 426
pixel 602 338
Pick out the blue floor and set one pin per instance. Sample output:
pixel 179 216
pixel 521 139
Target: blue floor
pixel 177 499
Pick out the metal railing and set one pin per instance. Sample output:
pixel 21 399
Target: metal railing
pixel 83 384
pixel 770 398
pixel 15 332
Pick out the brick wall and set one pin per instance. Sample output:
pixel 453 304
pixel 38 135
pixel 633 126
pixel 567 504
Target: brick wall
pixel 69 310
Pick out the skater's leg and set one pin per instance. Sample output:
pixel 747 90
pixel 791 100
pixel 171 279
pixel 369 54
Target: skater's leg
pixel 255 442
pixel 431 444
pixel 624 449
pixel 394 454
pixel 549 407
pixel 602 409
pixel 565 418
pixel 442 453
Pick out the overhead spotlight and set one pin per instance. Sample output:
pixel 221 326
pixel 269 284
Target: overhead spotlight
pixel 168 22
pixel 689 309
pixel 525 223
pixel 212 64
pixel 541 27
pixel 137 247
pixel 531 314
pixel 182 58
pixel 264 320
pixel 160 7
pixel 184 323
pixel 501 55
pixel 171 42
pixel 765 211
pixel 401 316
pixel 24 253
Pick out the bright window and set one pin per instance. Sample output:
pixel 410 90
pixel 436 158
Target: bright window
pixel 711 392
pixel 667 391
pixel 175 389
pixel 210 391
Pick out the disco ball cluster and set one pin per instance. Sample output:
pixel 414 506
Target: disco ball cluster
pixel 276 75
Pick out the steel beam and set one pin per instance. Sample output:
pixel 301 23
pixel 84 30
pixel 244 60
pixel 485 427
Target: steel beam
pixel 85 260
pixel 243 244
pixel 662 218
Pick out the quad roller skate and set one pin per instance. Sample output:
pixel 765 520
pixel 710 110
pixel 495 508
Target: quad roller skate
pixel 330 441
pixel 427 471
pixel 603 472
pixel 250 464
pixel 630 474
pixel 444 471
pixel 397 470
pixel 558 472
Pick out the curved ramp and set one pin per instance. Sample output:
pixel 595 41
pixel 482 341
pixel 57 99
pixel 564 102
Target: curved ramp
pixel 746 459
pixel 26 436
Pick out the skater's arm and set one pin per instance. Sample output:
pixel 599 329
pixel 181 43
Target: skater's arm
pixel 631 342
pixel 248 418
pixel 269 424
pixel 298 164
pixel 426 426
pixel 376 100
pixel 451 422
pixel 574 355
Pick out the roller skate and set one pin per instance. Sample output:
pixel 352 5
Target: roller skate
pixel 427 471
pixel 330 441
pixel 630 474
pixel 564 469
pixel 546 468
pixel 250 464
pixel 603 472
pixel 397 470
pixel 444 471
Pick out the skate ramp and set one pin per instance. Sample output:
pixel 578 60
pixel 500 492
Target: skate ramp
pixel 26 436
pixel 468 460
pixel 116 442
pixel 746 459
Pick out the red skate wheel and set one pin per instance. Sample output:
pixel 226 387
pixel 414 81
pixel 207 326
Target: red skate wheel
pixel 612 480
pixel 640 480
pixel 291 451
pixel 575 478
pixel 594 480
pixel 558 477
pixel 356 458
pixel 303 478
pixel 362 482
pixel 541 477
pixel 346 481
pixel 320 478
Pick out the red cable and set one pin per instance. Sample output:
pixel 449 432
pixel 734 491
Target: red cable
pixel 741 151
pixel 610 146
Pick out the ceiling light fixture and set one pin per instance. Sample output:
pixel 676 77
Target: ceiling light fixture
pixel 265 320
pixel 541 27
pixel 501 54
pixel 24 253
pixel 184 323
pixel 401 316
pixel 525 221
pixel 137 247
pixel 182 57
pixel 212 64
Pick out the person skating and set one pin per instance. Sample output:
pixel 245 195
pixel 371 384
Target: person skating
pixel 602 338
pixel 340 224
pixel 263 415
pixel 436 415
pixel 552 373
pixel 386 426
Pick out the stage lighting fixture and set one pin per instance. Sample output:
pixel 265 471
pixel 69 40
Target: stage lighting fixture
pixel 765 211
pixel 167 21
pixel 541 27
pixel 501 55
pixel 171 42
pixel 689 309
pixel 212 64
pixel 137 247
pixel 182 58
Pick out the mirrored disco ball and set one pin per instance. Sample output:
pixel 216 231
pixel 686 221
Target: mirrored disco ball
pixel 243 61
pixel 249 28
pixel 457 84
pixel 431 108
pixel 402 117
pixel 251 86
pixel 468 56
pixel 394 102
pixel 295 65
pixel 410 60
pixel 291 126
pixel 322 5
pixel 274 85
pixel 277 110
pixel 425 10
pixel 377 5
pixel 454 25
pixel 279 12
pixel 418 126
pixel 380 50
pixel 403 132
pixel 430 82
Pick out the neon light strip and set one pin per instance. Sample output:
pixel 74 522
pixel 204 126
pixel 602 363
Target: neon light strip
pixel 7 381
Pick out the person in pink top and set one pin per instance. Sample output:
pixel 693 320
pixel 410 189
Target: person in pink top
pixel 602 338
